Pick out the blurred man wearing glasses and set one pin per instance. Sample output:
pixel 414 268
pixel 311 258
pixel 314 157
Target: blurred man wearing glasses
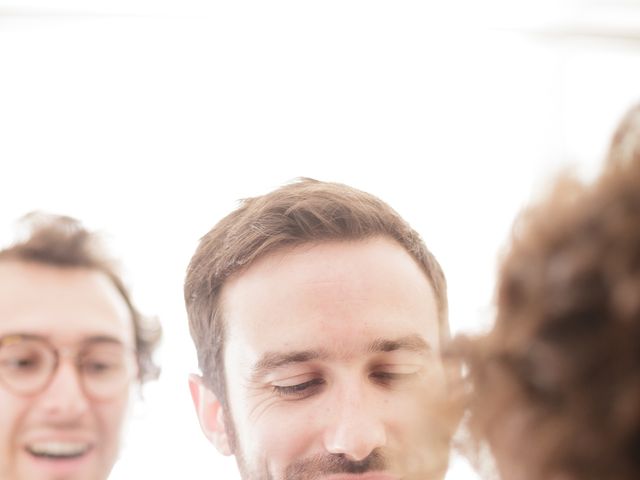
pixel 71 347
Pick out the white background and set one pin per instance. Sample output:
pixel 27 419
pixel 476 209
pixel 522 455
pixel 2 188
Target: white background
pixel 149 120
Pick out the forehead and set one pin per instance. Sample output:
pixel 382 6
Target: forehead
pixel 332 296
pixel 67 305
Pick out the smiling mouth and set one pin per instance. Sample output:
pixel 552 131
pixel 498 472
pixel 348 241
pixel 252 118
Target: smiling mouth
pixel 58 450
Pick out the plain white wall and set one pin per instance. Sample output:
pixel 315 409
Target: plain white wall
pixel 152 121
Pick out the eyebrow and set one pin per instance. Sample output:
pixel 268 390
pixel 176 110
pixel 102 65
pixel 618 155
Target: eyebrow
pixel 84 342
pixel 101 339
pixel 412 343
pixel 273 360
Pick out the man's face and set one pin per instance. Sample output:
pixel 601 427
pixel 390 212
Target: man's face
pixel 60 432
pixel 332 365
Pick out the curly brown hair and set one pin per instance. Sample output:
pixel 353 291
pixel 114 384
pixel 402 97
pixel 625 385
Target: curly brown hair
pixel 63 242
pixel 556 382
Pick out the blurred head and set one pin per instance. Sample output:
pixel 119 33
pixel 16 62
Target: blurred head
pixel 318 314
pixel 71 347
pixel 557 380
pixel 624 150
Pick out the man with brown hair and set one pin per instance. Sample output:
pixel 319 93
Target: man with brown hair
pixel 318 316
pixel 71 347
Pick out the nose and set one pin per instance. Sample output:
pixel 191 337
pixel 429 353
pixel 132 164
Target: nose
pixel 64 398
pixel 355 425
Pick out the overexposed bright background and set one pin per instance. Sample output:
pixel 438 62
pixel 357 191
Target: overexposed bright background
pixel 150 119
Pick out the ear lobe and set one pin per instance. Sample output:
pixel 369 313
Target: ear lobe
pixel 210 414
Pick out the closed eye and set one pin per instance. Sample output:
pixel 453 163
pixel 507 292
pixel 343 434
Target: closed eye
pixel 299 390
pixel 388 378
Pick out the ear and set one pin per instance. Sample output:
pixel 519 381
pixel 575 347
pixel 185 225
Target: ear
pixel 210 414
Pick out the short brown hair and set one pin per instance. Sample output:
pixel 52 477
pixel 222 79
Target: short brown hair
pixel 563 359
pixel 63 242
pixel 301 212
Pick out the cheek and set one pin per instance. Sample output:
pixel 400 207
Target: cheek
pixel 282 434
pixel 110 418
pixel 13 422
pixel 13 413
pixel 420 415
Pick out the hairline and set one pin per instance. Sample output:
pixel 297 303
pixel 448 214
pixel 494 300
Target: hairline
pixel 441 310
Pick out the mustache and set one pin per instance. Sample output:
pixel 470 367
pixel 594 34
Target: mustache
pixel 315 467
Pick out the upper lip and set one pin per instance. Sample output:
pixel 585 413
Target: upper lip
pixel 59 437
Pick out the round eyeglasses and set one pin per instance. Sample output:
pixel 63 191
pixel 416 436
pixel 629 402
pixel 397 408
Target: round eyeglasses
pixel 28 363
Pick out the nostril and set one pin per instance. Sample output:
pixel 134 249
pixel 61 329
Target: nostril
pixel 356 437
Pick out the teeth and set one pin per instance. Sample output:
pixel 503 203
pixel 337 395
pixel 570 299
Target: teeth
pixel 58 449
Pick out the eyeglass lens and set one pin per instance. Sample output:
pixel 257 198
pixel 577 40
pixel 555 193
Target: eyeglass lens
pixel 27 365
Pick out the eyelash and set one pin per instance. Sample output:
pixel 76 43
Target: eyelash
pixel 388 379
pixel 306 389
pixel 301 390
